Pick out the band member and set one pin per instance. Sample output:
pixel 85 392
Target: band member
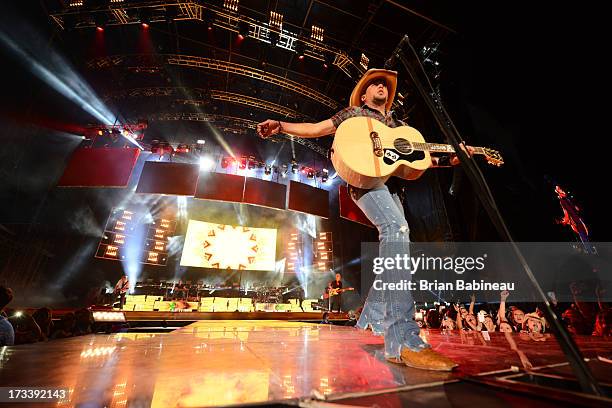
pixel 392 310
pixel 121 288
pixel 181 290
pixel 335 300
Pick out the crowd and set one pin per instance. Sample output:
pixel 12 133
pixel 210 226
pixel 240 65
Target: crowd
pixel 584 318
pixel 20 327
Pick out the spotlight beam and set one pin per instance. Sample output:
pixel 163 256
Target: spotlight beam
pixel 69 84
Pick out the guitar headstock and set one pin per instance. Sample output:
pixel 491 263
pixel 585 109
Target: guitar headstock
pixel 493 157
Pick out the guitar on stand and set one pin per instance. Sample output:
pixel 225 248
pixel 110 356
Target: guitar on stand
pixel 366 152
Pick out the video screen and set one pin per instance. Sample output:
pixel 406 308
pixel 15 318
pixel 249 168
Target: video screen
pixel 220 246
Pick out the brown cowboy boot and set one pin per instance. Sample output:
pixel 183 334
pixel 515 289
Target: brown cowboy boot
pixel 426 359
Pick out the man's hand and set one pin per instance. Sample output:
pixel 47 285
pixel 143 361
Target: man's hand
pixel 504 295
pixel 469 150
pixel 268 128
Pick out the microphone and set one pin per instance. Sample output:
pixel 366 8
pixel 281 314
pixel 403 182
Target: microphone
pixel 390 63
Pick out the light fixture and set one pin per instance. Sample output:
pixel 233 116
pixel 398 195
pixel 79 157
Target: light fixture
pixel 206 163
pixel 299 49
pixel 243 163
pixel 231 5
pixel 364 61
pixel 276 21
pixel 243 29
pixel 145 17
pixel 316 34
pixel 100 20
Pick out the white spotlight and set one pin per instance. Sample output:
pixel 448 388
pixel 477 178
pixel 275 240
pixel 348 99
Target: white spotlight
pixel 206 163
pixel 201 142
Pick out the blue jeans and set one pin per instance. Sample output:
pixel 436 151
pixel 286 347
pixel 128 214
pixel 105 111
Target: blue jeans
pixel 391 310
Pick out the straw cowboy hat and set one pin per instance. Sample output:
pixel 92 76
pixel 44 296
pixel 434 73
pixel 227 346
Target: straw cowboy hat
pixel 390 78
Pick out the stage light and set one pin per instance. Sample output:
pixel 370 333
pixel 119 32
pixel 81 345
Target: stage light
pixel 75 3
pixel 100 21
pixel 145 17
pixel 284 170
pixel 268 170
pixel 18 313
pixel 276 21
pixel 316 33
pixel 364 61
pixel 294 167
pixel 108 317
pixel 299 49
pixel 182 148
pixel 153 257
pixel 201 141
pixel 243 29
pixel 225 162
pixel 243 163
pixel 209 18
pixel 231 5
pixel 206 163
pixel 326 61
pixel 310 173
pixel 112 251
pixel 324 175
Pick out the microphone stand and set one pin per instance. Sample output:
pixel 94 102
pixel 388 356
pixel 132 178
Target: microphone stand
pixel 413 67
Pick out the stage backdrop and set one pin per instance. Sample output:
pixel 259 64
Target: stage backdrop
pixel 219 246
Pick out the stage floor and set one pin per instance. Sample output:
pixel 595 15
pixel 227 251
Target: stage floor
pixel 217 362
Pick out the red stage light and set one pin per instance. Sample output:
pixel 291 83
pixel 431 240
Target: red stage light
pixel 100 29
pixel 145 25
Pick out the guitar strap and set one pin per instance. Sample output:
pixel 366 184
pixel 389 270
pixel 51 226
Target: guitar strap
pixel 374 157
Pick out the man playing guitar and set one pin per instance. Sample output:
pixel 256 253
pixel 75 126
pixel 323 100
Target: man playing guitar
pixel 334 294
pixel 121 288
pixel 393 310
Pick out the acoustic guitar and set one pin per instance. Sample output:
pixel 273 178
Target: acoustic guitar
pixel 366 152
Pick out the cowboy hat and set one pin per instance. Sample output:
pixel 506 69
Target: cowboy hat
pixel 390 78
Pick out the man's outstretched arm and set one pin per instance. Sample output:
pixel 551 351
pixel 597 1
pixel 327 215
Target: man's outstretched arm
pixel 306 130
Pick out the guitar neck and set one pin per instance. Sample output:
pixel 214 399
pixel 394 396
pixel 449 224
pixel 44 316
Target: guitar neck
pixel 442 148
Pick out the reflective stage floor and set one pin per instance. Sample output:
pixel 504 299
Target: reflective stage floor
pixel 217 362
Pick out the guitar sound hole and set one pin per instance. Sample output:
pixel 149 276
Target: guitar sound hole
pixel 403 146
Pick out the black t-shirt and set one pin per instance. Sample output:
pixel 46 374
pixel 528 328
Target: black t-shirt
pixel 336 285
